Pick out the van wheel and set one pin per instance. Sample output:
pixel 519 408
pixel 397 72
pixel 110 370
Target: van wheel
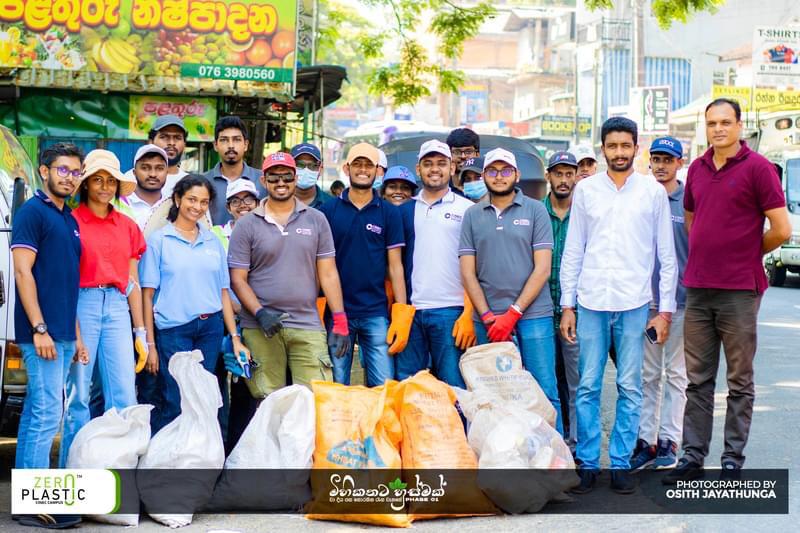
pixel 775 275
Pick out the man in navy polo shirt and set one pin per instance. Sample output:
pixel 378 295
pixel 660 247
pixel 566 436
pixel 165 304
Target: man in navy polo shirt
pixel 436 291
pixel 368 236
pixel 46 246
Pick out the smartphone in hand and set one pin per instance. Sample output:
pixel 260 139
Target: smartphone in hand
pixel 651 334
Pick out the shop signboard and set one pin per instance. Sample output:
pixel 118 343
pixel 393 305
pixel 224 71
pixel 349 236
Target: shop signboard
pixel 199 115
pixel 775 56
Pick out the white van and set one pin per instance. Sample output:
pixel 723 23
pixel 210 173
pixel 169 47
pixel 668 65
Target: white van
pixel 18 180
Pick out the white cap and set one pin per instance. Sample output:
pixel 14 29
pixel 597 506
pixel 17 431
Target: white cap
pixel 434 147
pixel 241 185
pixel 382 161
pixel 582 152
pixel 499 154
pixel 149 149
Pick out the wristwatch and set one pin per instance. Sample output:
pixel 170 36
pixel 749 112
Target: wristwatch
pixel 40 328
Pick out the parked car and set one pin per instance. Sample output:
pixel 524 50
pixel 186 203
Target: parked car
pixel 18 180
pixel 405 151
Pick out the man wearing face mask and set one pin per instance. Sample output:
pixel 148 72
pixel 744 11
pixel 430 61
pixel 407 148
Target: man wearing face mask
pixel 383 166
pixel 309 168
pixel 471 181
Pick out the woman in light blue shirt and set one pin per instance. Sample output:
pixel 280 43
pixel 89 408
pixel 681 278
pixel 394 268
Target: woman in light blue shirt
pixel 185 283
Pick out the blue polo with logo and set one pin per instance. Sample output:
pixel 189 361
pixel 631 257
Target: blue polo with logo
pixel 362 238
pixel 53 234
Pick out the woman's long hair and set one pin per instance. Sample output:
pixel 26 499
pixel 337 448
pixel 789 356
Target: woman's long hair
pixel 183 186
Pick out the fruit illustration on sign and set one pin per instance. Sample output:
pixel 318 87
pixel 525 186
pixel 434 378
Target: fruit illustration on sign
pixel 282 43
pixel 259 53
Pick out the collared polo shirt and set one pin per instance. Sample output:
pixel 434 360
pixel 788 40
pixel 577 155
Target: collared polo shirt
pixel 140 209
pixel 728 223
pixel 503 245
pixel 681 247
pixel 436 277
pixel 559 227
pixel 362 238
pixel 320 198
pixel 281 262
pixel 188 277
pixel 218 209
pixel 53 234
pixel 107 246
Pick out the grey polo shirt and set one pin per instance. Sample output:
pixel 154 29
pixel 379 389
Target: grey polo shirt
pixel 218 209
pixel 503 246
pixel 282 262
pixel 681 239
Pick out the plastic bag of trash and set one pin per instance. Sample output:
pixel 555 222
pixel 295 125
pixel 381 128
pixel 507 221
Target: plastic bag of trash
pixel 275 451
pixel 497 367
pixel 114 440
pixel 176 476
pixel 505 436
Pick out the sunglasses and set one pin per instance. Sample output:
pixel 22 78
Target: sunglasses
pixel 506 172
pixel 275 178
pixel 63 172
pixel 308 166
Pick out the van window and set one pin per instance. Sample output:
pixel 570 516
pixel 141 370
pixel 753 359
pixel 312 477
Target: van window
pixel 793 180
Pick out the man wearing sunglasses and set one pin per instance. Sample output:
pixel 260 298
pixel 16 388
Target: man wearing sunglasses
pixel 279 258
pixel 505 251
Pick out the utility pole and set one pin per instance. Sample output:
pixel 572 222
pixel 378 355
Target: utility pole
pixel 638 43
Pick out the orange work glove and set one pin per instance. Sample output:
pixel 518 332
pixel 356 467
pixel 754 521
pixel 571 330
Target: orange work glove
pixel 387 285
pixel 464 328
pixel 400 328
pixel 321 303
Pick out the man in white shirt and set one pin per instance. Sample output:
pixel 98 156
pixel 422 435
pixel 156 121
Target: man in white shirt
pixel 150 171
pixel 620 221
pixel 436 291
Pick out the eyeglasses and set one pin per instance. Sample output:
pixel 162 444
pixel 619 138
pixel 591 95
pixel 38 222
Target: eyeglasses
pixel 505 172
pixel 275 178
pixel 238 202
pixel 464 152
pixel 63 172
pixel 309 166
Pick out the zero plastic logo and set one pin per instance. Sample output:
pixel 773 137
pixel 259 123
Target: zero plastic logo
pixel 67 491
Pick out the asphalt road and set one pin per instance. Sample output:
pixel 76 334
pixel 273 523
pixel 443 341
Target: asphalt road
pixel 773 444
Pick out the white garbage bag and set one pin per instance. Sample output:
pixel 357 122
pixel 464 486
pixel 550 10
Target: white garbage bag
pixel 497 367
pixel 193 441
pixel 114 440
pixel 506 436
pixel 281 438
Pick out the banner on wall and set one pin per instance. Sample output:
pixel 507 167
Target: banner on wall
pixel 199 115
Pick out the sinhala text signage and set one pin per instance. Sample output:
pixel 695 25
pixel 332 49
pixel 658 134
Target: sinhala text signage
pixel 765 100
pixel 251 40
pixel 199 115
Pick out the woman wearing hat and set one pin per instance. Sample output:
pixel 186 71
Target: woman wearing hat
pixel 188 267
pixel 111 245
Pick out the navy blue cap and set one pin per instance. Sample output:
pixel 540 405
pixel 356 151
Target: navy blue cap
pixel 667 145
pixel 474 164
pixel 307 148
pixel 562 158
pixel 402 173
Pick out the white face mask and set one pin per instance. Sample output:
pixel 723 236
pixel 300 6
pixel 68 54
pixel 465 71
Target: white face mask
pixel 306 178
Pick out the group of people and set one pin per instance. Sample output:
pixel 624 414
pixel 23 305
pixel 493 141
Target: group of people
pixel 413 271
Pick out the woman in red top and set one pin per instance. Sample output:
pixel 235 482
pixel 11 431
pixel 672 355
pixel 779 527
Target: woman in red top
pixel 111 245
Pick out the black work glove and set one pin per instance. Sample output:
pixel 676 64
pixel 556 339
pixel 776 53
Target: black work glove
pixel 270 322
pixel 338 345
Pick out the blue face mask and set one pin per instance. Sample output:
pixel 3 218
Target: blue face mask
pixel 306 178
pixel 475 190
pixel 378 183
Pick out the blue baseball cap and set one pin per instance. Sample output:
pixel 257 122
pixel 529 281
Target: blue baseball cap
pixel 562 158
pixel 402 173
pixel 307 148
pixel 667 145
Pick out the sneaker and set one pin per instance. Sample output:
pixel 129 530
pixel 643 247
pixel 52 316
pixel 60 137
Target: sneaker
pixel 730 471
pixel 666 455
pixel 641 444
pixel 622 482
pixel 588 481
pixel 644 457
pixel 685 471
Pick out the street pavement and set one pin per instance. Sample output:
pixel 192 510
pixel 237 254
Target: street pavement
pixel 773 444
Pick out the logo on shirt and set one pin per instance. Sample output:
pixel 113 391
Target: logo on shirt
pixel 303 231
pixel 521 222
pixel 75 232
pixel 374 228
pixel 677 219
pixel 453 216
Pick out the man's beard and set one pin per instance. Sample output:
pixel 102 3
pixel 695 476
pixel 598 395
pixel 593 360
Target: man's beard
pixel 561 195
pixel 143 185
pixel 175 161
pixel 623 168
pixel 502 192
pixel 362 186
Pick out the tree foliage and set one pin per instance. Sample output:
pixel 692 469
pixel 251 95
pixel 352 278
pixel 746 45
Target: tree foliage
pixel 667 11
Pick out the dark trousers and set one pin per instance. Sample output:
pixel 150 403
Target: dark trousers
pixel 714 318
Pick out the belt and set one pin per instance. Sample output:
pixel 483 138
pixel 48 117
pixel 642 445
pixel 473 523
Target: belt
pixel 205 316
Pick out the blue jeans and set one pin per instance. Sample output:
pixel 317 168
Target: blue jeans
pixel 106 331
pixel 595 330
pixel 199 334
pixel 537 346
pixel 370 334
pixel 431 345
pixel 43 407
